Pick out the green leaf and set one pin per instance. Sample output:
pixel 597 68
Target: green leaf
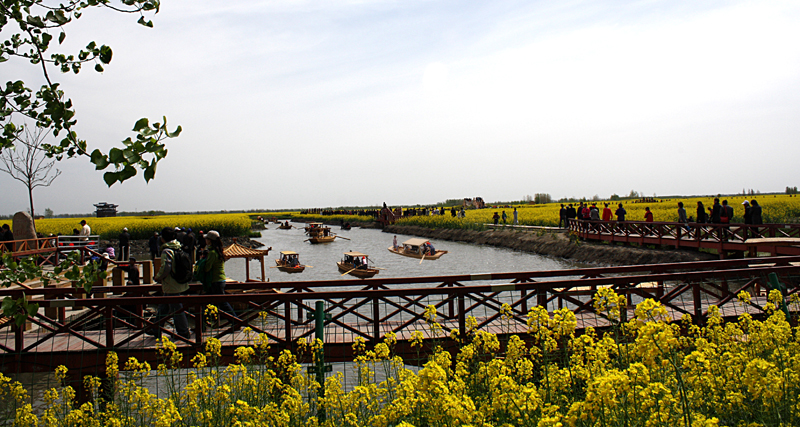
pixel 116 156
pixel 150 172
pixel 32 309
pixel 98 68
pixel 110 178
pixel 142 123
pixel 99 159
pixel 61 37
pixel 8 306
pixel 176 133
pixel 105 54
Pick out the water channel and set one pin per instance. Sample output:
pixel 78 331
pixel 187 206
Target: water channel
pixel 463 258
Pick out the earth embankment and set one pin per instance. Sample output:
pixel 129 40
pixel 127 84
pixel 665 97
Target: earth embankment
pixel 556 244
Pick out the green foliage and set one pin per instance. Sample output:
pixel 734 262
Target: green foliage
pixel 16 272
pixel 37 21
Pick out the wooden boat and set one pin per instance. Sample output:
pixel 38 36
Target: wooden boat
pixel 285 226
pixel 356 264
pixel 322 239
pixel 318 233
pixel 415 248
pixel 290 262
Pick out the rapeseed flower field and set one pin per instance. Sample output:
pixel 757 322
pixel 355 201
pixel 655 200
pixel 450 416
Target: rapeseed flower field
pixel 649 371
pixel 142 227
pixel 776 209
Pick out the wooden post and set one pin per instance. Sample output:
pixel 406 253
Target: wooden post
pixel 117 276
pixel 147 272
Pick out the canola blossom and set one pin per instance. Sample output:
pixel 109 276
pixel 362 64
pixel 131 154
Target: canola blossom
pixel 776 209
pixel 648 371
pixel 142 227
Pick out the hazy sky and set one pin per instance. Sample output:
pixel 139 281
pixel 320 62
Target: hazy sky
pixel 288 104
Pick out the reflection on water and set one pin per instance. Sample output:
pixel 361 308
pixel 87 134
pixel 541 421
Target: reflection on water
pixel 463 258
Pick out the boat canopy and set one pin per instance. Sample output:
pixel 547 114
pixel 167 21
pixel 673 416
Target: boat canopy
pixel 315 224
pixel 288 253
pixel 355 254
pixel 415 242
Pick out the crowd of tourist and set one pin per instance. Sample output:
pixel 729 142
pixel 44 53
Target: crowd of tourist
pixel 718 213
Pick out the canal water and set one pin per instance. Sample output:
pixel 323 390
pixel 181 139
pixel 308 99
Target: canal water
pixel 462 258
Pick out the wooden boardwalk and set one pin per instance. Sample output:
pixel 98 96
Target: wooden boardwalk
pixel 79 330
pixel 775 239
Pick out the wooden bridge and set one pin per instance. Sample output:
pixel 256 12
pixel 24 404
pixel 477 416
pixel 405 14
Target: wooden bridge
pixel 735 239
pixel 77 329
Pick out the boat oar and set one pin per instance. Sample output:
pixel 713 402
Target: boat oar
pixel 349 270
pixel 345 238
pixel 423 257
pixel 309 266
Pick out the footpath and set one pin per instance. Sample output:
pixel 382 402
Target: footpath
pixel 556 244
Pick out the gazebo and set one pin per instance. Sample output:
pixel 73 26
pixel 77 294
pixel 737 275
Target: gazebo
pixel 238 251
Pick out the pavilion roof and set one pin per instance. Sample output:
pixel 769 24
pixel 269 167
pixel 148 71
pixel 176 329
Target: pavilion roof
pixel 238 251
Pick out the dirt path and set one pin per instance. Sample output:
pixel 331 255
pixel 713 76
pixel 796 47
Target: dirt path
pixel 557 244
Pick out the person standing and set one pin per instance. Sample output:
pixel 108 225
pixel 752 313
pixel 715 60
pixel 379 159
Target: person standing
pixel 170 287
pixel 621 212
pixel 154 243
pixel 6 236
pixel 189 243
pixel 505 217
pixel 516 218
pixel 648 216
pixel 124 245
pixel 606 213
pixel 571 214
pixel 755 213
pixel 562 216
pixel 594 212
pixel 748 218
pixel 215 268
pixel 495 218
pixel 85 231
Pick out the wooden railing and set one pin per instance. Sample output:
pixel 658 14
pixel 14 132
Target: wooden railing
pixel 721 237
pixel 370 308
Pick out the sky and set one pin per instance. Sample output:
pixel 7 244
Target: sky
pixel 297 104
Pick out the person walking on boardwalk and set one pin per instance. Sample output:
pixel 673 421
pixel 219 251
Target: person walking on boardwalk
pixel 170 287
pixel 124 245
pixel 701 212
pixel 681 214
pixel 716 212
pixel 726 212
pixel 562 216
pixel 505 217
pixel 516 218
pixel 495 218
pixel 215 267
pixel 621 212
